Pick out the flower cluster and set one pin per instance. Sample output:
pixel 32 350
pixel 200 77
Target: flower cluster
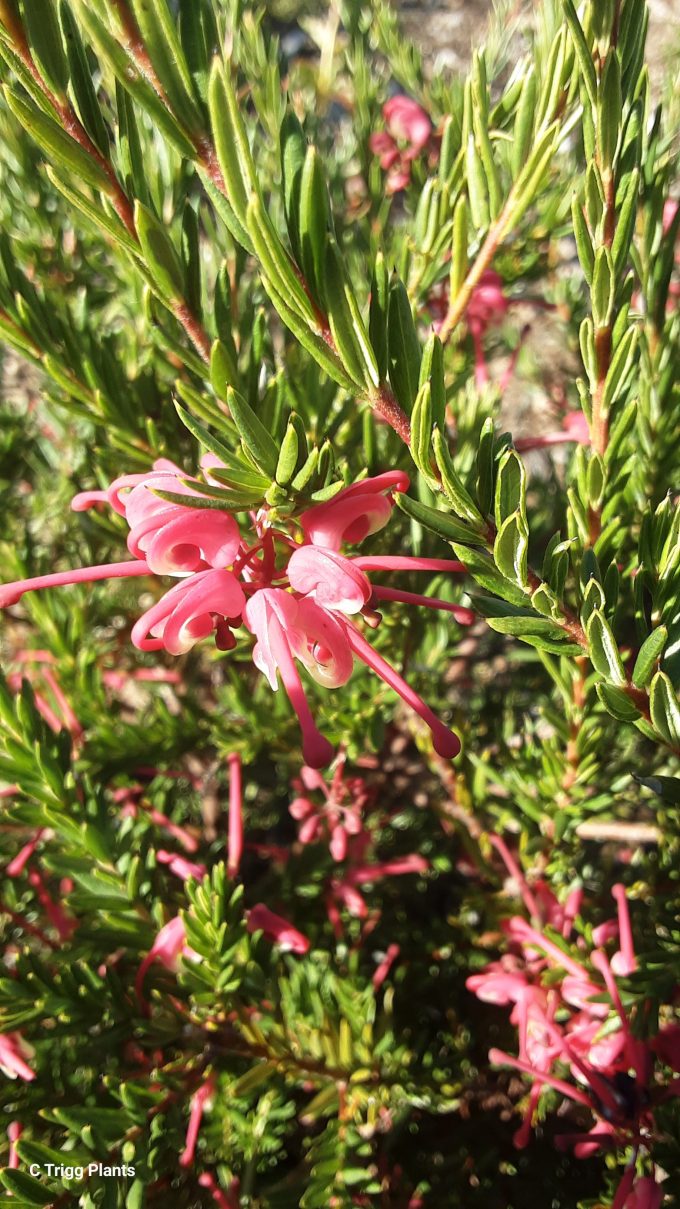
pixel 407 135
pixel 574 1034
pixel 299 598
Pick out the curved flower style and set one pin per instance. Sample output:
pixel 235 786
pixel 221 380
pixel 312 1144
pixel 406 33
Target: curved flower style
pixel 354 513
pixel 276 929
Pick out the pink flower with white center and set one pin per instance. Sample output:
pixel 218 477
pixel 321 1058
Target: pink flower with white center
pixel 200 605
pixel 13 1054
pixel 171 538
pixel 354 513
pixel 407 123
pixel 276 929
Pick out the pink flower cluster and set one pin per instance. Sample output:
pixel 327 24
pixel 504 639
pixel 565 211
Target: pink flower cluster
pixel 338 818
pixel 407 135
pixel 299 598
pixel 574 1034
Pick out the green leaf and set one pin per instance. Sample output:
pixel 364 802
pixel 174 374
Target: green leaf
pixel 453 486
pixel 421 433
pixel 253 433
pixel 347 326
pixel 649 655
pixel 57 143
pixel 432 371
pixel 204 437
pixel 159 34
pixel 617 703
pixel 584 244
pixel 667 788
pixel 27 1189
pixel 459 247
pixel 625 223
pixel 511 548
pixel 231 142
pixel 223 369
pixel 160 255
pixel 288 455
pixel 510 487
pixel 82 86
pixel 485 467
pixel 482 567
pixel 314 222
pixel 583 52
pixel 403 346
pixel 377 316
pixel 440 523
pixel 664 709
pixel 47 48
pixel 609 107
pixel 604 286
pixel 277 264
pixel 523 131
pixel 313 343
pixel 293 150
pixel 94 211
pixel 604 652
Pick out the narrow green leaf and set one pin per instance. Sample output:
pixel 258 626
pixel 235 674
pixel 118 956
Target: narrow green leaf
pixel 159 33
pixel 288 455
pixel 28 1190
pixel 453 485
pixel 440 523
pixel 511 548
pixel 223 369
pixel 231 142
pixel 253 433
pixel 582 49
pixel 459 247
pixel 648 656
pixel 510 487
pixel 609 109
pixel 160 255
pixel 617 702
pixel 482 567
pixel 47 48
pixel 523 131
pixel 293 150
pixel 277 263
pixel 604 652
pixel 584 244
pixel 403 346
pixel 57 143
pixel 377 316
pixel 314 221
pixel 664 708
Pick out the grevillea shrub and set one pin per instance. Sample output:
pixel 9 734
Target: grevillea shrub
pixel 339 610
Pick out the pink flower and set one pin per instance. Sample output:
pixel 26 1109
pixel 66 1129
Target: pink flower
pixel 407 123
pixel 200 605
pixel 276 929
pixel 13 1054
pixel 173 539
pixel 285 627
pixel 14 1132
pixel 574 431
pixel 169 945
pixel 331 580
pixel 644 1194
pixel 180 866
pixel 235 833
pixel 199 1102
pixel 354 513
